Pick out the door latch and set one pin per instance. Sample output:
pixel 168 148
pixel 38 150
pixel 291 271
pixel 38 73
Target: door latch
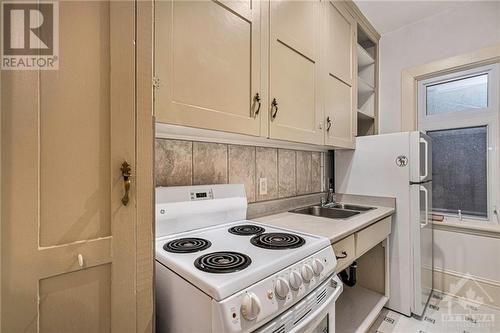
pixel 126 174
pixel 156 82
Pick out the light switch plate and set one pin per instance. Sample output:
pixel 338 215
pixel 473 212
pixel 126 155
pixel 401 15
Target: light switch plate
pixel 262 186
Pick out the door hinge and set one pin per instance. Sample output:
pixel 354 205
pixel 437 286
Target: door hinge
pixel 156 82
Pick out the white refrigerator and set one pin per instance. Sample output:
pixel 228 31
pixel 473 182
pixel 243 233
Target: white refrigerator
pixel 397 165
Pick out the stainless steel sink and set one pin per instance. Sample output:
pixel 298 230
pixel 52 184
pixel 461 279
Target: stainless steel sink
pixel 332 213
pixel 352 207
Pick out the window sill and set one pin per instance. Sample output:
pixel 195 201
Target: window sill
pixel 486 228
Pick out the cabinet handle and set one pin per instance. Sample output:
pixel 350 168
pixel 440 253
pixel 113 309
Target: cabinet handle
pixel 274 105
pixel 257 100
pixel 329 122
pixel 126 173
pixel 342 256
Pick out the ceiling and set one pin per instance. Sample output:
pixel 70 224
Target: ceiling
pixel 387 16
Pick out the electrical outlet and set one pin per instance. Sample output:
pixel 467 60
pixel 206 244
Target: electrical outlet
pixel 262 186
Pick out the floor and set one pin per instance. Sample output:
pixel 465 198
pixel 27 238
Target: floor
pixel 444 314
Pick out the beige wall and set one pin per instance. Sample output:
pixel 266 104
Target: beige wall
pixel 288 172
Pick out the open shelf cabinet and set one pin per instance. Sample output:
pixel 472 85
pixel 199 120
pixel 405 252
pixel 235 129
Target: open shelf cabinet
pixel 367 78
pixel 359 306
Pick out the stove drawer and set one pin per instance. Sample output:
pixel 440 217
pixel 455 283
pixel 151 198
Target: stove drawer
pixel 345 253
pixel 371 236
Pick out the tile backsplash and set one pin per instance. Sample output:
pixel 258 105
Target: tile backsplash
pixel 288 172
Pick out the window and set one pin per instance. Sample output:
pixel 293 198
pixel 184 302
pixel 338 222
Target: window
pixel 457 95
pixel 459 171
pixel 459 112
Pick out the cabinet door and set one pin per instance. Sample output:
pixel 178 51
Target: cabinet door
pixel 294 55
pixel 340 42
pixel 339 113
pixel 338 76
pixel 208 64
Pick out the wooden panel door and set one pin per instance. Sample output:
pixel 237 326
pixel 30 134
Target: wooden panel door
pixel 338 76
pixel 68 242
pixel 294 70
pixel 207 61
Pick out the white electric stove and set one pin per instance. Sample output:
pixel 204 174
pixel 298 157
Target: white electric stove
pixel 217 272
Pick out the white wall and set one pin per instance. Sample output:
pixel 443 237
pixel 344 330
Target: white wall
pixel 468 27
pixel 467 254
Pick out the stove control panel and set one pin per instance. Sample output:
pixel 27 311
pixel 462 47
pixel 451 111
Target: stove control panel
pixel 252 306
pixel 201 194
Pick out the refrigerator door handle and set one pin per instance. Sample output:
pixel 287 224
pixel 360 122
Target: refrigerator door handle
pixel 426 194
pixel 426 168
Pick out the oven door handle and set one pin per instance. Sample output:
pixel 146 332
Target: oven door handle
pixel 319 312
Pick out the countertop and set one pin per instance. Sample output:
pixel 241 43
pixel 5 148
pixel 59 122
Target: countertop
pixel 334 229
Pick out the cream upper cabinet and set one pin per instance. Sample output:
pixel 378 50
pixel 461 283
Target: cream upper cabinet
pixel 294 100
pixel 285 70
pixel 207 62
pixel 340 42
pixel 338 75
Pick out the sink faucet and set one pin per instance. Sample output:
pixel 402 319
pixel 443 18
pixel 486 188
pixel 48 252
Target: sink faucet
pixel 330 199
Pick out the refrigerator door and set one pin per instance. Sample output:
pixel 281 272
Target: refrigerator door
pixel 420 157
pixel 422 245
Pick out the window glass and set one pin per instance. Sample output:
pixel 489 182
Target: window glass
pixel 459 171
pixel 458 95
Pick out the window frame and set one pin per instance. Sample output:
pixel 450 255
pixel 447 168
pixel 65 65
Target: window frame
pixel 475 117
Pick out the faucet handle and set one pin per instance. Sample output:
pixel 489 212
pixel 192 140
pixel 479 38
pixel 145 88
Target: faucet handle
pixel 331 198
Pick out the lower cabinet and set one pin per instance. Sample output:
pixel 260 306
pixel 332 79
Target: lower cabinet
pixel 371 236
pixel 345 252
pixel 368 251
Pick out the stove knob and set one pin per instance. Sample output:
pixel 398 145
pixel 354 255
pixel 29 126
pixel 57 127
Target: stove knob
pixel 295 280
pixel 250 306
pixel 307 272
pixel 281 288
pixel 317 266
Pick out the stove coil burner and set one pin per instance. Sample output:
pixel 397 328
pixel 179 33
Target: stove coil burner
pixel 222 262
pixel 187 245
pixel 246 230
pixel 277 241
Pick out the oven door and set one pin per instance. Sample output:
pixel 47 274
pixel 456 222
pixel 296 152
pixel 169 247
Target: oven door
pixel 323 319
pixel 326 323
pixel 314 314
pixel 323 322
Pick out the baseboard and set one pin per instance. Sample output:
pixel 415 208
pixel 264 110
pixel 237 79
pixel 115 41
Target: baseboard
pixel 465 286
